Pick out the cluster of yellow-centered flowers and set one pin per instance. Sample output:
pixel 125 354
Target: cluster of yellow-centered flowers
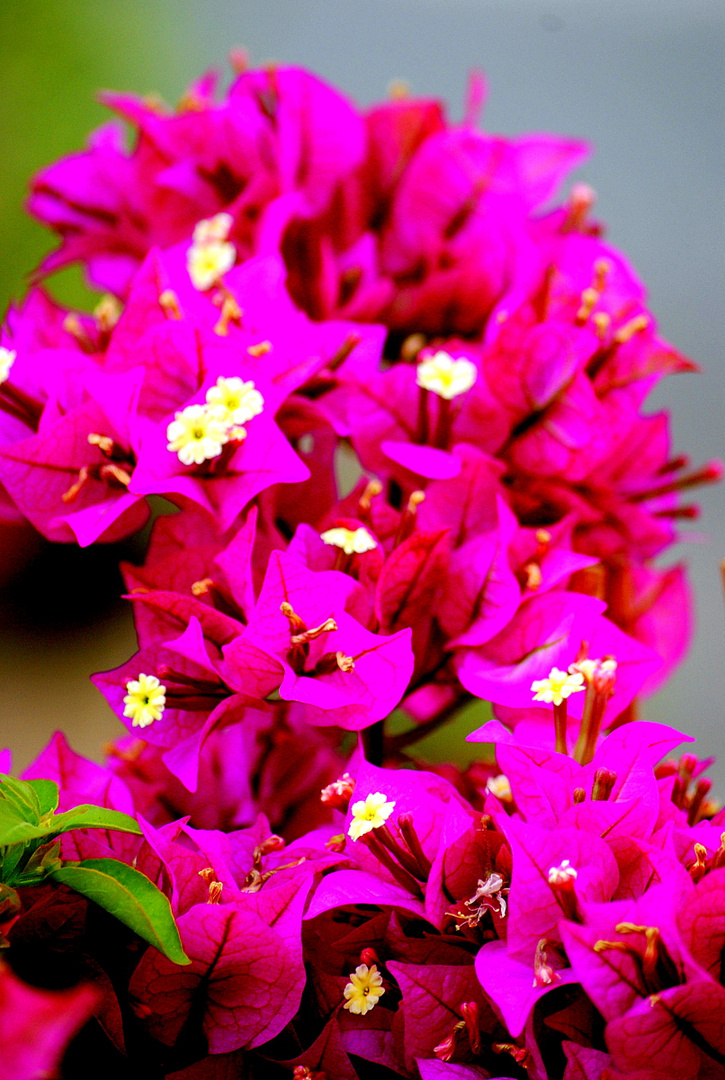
pixel 369 814
pixel 210 254
pixel 199 432
pixel 145 700
pixel 444 376
pixel 364 990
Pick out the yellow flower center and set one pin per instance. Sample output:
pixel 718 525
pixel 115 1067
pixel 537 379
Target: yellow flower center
pixel 364 990
pixel 145 700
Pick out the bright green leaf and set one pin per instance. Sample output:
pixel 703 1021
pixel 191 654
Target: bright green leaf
pixel 130 897
pixel 47 792
pixel 15 831
pixel 22 796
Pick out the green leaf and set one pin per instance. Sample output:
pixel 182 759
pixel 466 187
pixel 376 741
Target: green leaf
pixel 16 830
pixel 21 796
pixel 130 897
pixel 47 792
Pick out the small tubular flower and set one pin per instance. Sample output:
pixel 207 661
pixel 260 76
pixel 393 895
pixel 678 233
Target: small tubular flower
pixel 364 990
pixel 145 700
pixel 444 376
pixel 558 686
pixel 197 434
pixel 352 541
pixel 369 814
pixel 213 229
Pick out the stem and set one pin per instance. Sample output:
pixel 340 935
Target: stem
pixel 560 727
pixel 373 739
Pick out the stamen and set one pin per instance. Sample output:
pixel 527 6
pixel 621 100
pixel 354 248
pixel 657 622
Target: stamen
pixel 412 346
pixel 602 323
pixel 213 884
pixel 84 475
pixel 231 312
pixel 306 636
pixel 345 663
pixel 544 973
pixel 408 517
pixel 532 576
pixel 398 89
pixel 73 326
pixel 372 489
pixel 169 301
pixel 202 587
pixel 702 789
pixel 260 349
pixel 581 200
pixel 111 473
pixel 634 326
pixel 589 298
pixel 107 312
pixel 561 880
pixel 447 1047
pixel 239 63
pixel 104 443
pixel 519 1053
pixel 295 622
pixel 708 474
pixel 698 869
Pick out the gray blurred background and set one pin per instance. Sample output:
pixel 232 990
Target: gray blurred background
pixel 640 79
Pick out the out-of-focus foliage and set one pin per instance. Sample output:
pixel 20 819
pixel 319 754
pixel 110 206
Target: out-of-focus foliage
pixel 54 55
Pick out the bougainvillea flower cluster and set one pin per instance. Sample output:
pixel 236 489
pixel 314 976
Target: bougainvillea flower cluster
pixel 383 398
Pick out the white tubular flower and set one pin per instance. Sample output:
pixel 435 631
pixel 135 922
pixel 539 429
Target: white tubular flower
pixel 369 814
pixel 558 686
pixel 214 228
pixel 197 434
pixel 364 990
pixel 145 700
pixel 446 377
pixel 238 400
pixel 352 542
pixel 208 262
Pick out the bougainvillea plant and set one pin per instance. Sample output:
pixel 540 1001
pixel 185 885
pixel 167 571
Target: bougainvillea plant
pixel 390 393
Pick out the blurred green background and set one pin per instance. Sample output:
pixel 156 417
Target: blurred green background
pixel 641 79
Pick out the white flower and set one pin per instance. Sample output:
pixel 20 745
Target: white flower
pixel 197 434
pixel 445 376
